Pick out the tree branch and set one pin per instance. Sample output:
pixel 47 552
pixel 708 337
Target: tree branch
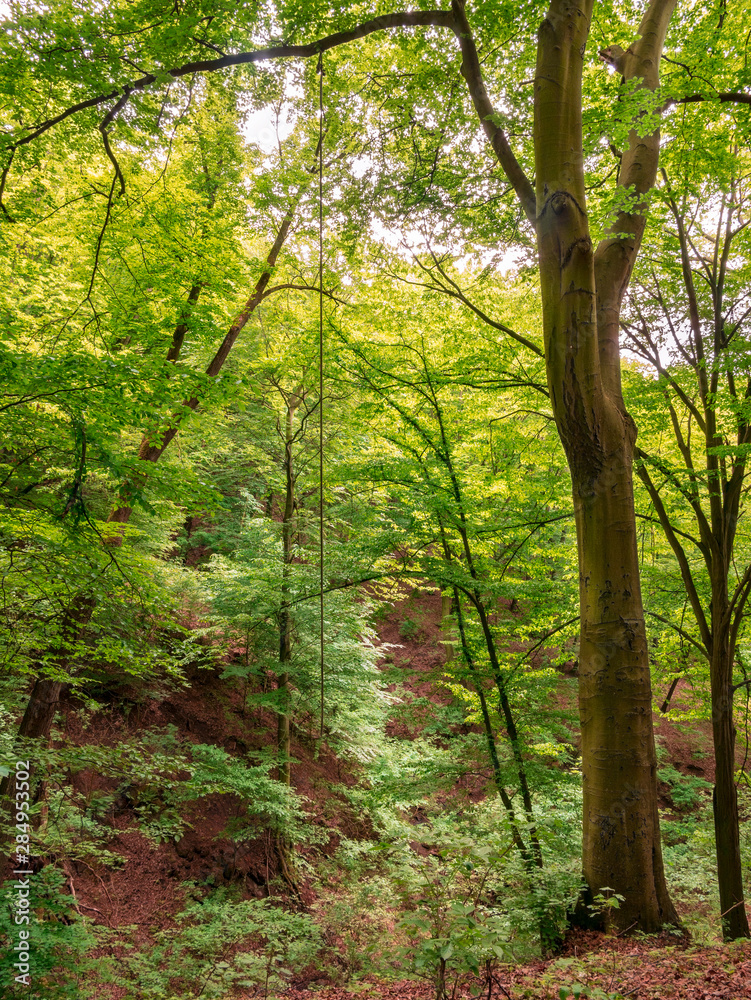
pixel 680 555
pixel 616 253
pixel 455 20
pixel 104 129
pixel 682 534
pixel 406 19
pixel 451 288
pixel 304 288
pixel 681 632
pixel 151 450
pixel 472 73
pixel 723 96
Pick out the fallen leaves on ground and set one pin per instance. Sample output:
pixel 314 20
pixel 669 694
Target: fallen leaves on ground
pixel 613 968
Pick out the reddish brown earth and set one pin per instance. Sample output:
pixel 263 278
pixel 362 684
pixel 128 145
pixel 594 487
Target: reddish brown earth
pixel 420 656
pixel 146 891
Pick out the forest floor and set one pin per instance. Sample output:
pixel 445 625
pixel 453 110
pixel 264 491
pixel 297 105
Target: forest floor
pixel 147 891
pixel 603 967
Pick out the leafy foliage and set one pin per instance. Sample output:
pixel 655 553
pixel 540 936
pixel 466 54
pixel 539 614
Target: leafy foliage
pixel 216 945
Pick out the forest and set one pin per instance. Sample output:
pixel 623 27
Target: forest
pixel 376 410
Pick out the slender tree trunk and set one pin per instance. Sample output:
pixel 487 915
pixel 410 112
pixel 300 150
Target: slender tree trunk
pixel 512 732
pixel 718 640
pixel 45 696
pixel 725 797
pixel 508 805
pixel 531 856
pixel 285 618
pixel 671 691
pixel 283 717
pixel 447 626
pixel 282 730
pixel 153 447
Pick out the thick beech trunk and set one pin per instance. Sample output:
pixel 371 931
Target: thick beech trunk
pixel 45 695
pixel 36 723
pixel 40 711
pixel 582 292
pixel 44 702
pixel 621 834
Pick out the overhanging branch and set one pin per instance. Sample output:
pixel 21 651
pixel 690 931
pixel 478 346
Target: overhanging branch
pixel 455 20
pixel 406 19
pixel 472 73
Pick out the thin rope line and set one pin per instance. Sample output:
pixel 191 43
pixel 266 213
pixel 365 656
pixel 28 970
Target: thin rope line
pixel 320 368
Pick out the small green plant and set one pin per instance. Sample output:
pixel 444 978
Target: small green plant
pixel 357 924
pixel 588 970
pixel 451 928
pixel 448 941
pixel 687 792
pixel 578 991
pixel 409 629
pixel 381 612
pixel 605 902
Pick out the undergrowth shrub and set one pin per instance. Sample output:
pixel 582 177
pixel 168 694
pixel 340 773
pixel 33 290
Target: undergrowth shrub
pixel 357 922
pixel 60 942
pixel 687 792
pixel 155 777
pixel 451 926
pixel 217 945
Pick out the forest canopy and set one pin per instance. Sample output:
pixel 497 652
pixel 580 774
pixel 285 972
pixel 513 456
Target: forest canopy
pixel 375 417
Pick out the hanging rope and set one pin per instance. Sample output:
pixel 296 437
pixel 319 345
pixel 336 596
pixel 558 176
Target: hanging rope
pixel 319 70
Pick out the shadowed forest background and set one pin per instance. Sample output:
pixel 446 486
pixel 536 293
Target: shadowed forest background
pixel 374 563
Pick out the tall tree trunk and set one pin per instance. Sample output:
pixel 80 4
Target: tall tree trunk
pixel 530 862
pixel 283 717
pixel 447 626
pixel 718 641
pixel 724 796
pixel 37 720
pixel 581 298
pixel 444 454
pixel 44 700
pixel 152 448
pixel 285 618
pixel 45 695
pixel 621 834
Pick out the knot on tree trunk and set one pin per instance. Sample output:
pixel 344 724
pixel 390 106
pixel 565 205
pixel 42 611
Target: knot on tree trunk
pixel 559 201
